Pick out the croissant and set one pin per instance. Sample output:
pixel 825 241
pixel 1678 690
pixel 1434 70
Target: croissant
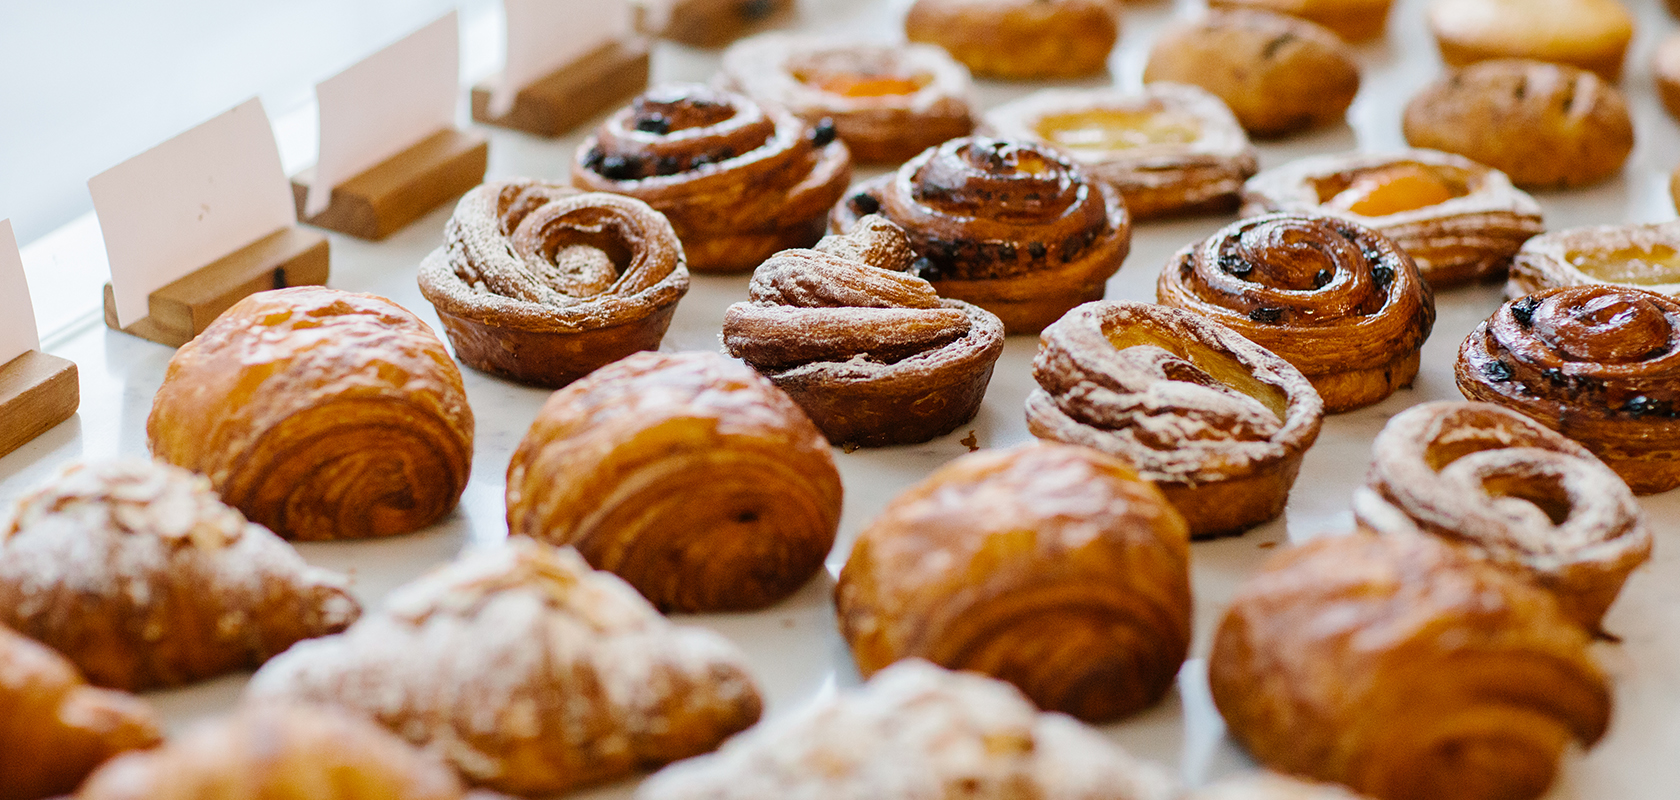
pixel 688 475
pixel 1013 227
pixel 1638 256
pixel 139 575
pixel 542 284
pixel 1219 424
pixel 1404 667
pixel 1341 302
pixel 1050 566
pixel 321 414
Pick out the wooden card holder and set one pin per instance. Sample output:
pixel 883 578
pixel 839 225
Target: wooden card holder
pixel 402 188
pixel 181 310
pixel 575 93
pixel 37 391
pixel 715 23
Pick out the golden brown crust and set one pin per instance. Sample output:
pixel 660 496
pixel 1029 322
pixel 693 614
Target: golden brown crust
pixel 1665 70
pixel 1050 566
pixel 1590 34
pixel 1636 256
pixel 1352 20
pixel 319 413
pixel 1218 423
pixel 1271 786
pixel 689 475
pixel 1020 39
pixel 1404 667
pixel 542 284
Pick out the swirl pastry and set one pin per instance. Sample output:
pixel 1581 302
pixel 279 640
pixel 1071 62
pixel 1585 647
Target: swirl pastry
pixel 139 575
pixel 1404 667
pixel 1170 149
pixel 1053 567
pixel 1598 364
pixel 1636 256
pixel 1458 220
pixel 688 475
pixel 542 284
pixel 738 181
pixel 1013 227
pixel 1020 39
pixel 1353 20
pixel 1340 301
pixel 916 731
pixel 887 102
pixel 319 413
pixel 1218 423
pixel 1589 34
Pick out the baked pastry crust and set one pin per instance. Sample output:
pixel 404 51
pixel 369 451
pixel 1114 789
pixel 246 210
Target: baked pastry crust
pixel 1020 39
pixel 738 181
pixel 540 283
pixel 1665 70
pixel 1590 34
pixel 1053 567
pixel 1352 20
pixel 689 475
pixel 1404 667
pixel 871 352
pixel 321 414
pixel 1636 256
pixel 1470 222
pixel 1341 302
pixel 1170 149
pixel 137 573
pixel 1013 227
pixel 1218 423
pixel 1271 786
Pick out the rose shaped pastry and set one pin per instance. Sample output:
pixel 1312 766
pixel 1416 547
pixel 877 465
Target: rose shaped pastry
pixel 1637 256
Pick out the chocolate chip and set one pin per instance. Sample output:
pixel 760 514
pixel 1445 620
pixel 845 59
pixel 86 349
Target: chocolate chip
pixel 1266 315
pixel 1036 249
pixel 1382 275
pixel 865 204
pixel 620 168
pixel 1523 310
pixel 823 135
pixel 1322 279
pixel 1497 371
pixel 654 123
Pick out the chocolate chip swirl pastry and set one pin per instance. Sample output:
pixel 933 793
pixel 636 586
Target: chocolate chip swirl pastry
pixel 1218 423
pixel 1013 227
pixel 1020 39
pixel 542 283
pixel 1598 364
pixel 737 180
pixel 1637 256
pixel 1341 302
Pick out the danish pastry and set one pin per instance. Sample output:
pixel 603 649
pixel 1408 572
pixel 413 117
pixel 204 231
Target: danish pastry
pixel 1590 34
pixel 1020 39
pixel 1636 256
pixel 1353 20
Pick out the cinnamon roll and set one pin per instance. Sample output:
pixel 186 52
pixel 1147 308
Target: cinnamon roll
pixel 1050 566
pixel 1217 422
pixel 1636 256
pixel 542 284
pixel 1598 364
pixel 1341 302
pixel 1020 39
pixel 1353 20
pixel 738 181
pixel 1013 227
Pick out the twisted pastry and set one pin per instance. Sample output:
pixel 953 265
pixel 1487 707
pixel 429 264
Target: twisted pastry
pixel 1053 567
pixel 1638 256
pixel 1340 301
pixel 1531 500
pixel 737 181
pixel 1020 39
pixel 1598 364
pixel 688 475
pixel 321 414
pixel 1012 227
pixel 542 284
pixel 1404 667
pixel 1216 422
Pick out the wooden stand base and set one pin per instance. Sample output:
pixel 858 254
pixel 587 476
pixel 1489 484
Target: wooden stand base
pixel 715 23
pixel 401 189
pixel 571 95
pixel 179 311
pixel 37 391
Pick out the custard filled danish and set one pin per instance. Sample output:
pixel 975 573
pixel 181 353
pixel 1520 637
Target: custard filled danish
pixel 1637 256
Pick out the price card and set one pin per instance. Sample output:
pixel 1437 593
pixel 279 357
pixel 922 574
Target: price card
pixel 545 35
pixel 17 314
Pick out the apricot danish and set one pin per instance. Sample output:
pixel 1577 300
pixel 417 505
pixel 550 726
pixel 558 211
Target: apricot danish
pixel 1637 256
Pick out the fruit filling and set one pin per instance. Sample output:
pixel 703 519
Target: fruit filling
pixel 1114 129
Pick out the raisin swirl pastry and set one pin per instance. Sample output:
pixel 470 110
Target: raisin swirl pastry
pixel 1405 667
pixel 1638 256
pixel 542 284
pixel 1217 422
pixel 1013 227
pixel 1340 301
pixel 737 180
pixel 1598 364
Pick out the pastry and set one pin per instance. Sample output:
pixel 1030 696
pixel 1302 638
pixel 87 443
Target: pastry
pixel 529 672
pixel 541 283
pixel 1353 20
pixel 1020 39
pixel 1458 220
pixel 319 413
pixel 738 181
pixel 1404 667
pixel 1340 301
pixel 1636 256
pixel 1280 75
pixel 1665 69
pixel 1050 566
pixel 1170 149
pixel 1215 421
pixel 54 728
pixel 688 475
pixel 1271 786
pixel 1013 227
pixel 1598 364
pixel 1544 125
pixel 1590 34
pixel 870 351
pixel 887 102
pixel 916 731
pixel 714 23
